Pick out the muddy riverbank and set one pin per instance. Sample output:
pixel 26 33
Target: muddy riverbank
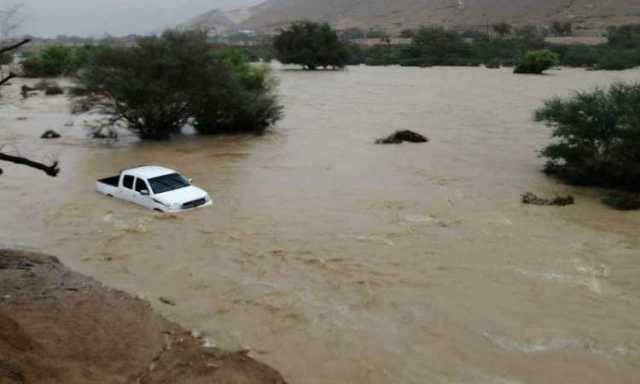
pixel 58 326
pixel 339 261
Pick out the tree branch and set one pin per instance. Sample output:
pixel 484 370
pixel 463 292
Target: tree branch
pixel 51 170
pixel 15 46
pixel 6 79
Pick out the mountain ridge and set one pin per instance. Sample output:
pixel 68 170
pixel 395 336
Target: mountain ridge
pixel 399 14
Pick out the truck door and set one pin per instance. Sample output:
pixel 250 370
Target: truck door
pixel 127 188
pixel 142 193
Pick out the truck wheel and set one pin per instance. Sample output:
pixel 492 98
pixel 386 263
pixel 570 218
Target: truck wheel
pixel 109 195
pixel 158 210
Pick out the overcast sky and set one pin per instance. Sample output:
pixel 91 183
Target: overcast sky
pixel 49 18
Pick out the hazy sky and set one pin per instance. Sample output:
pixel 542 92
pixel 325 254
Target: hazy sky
pixel 116 17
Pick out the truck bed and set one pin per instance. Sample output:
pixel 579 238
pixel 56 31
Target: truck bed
pixel 111 181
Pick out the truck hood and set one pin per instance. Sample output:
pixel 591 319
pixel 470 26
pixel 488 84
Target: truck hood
pixel 181 196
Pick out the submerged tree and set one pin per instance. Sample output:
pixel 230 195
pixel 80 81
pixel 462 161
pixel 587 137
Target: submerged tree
pixel 437 46
pixel 161 84
pixel 597 137
pixel 311 45
pixel 536 62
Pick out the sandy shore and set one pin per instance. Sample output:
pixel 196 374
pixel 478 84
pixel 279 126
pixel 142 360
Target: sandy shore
pixel 58 326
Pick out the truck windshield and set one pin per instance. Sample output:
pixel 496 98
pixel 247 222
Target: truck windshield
pixel 168 183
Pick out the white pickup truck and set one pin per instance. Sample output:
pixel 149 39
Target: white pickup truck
pixel 157 188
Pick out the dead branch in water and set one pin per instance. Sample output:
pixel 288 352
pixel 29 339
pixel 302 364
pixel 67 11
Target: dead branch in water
pixel 51 170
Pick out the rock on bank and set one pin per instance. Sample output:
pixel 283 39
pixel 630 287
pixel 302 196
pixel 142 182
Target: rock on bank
pixel 58 326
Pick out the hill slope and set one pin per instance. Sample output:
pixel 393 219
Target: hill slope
pixel 398 14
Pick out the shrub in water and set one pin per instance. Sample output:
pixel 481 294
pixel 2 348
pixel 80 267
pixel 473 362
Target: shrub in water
pixel 536 62
pixel 597 137
pixel 162 83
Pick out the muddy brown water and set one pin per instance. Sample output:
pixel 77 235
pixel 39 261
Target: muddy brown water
pixel 338 261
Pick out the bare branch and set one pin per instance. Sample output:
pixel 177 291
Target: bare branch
pixel 6 79
pixel 51 170
pixel 15 46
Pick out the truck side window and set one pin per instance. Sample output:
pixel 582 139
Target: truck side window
pixel 141 185
pixel 127 182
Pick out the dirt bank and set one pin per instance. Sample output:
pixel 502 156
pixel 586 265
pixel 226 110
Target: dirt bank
pixel 58 326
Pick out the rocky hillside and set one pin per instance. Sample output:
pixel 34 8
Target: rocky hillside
pixel 215 20
pixel 588 15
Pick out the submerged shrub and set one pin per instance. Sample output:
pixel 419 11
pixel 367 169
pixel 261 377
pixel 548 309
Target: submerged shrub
pixel 597 137
pixel 311 45
pixel 161 84
pixel 536 62
pixel 57 61
pixel 623 201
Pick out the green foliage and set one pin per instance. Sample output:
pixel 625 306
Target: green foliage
pixel 436 46
pixel 623 201
pixel 160 84
pixel 311 45
pixel 597 137
pixel 58 60
pixel 245 104
pixel 536 62
pixel 626 36
pixel 618 59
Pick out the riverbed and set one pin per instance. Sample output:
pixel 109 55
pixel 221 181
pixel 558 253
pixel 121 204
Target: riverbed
pixel 339 261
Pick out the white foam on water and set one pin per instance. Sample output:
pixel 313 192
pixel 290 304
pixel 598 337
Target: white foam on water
pixel 534 347
pixel 418 218
pixel 590 282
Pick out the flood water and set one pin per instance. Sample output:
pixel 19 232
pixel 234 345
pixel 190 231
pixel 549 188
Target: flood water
pixel 339 261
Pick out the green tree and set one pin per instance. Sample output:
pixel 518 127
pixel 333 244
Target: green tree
pixel 597 137
pixel 160 84
pixel 626 36
pixel 311 45
pixel 58 60
pixel 436 46
pixel 536 62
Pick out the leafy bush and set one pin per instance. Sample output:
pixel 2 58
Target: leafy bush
pixel 244 104
pixel 311 45
pixel 57 61
pixel 623 201
pixel 626 36
pixel 536 62
pixel 618 59
pixel 161 84
pixel 597 137
pixel 436 46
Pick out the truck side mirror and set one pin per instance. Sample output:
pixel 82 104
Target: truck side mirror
pixel 145 192
pixel 190 181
